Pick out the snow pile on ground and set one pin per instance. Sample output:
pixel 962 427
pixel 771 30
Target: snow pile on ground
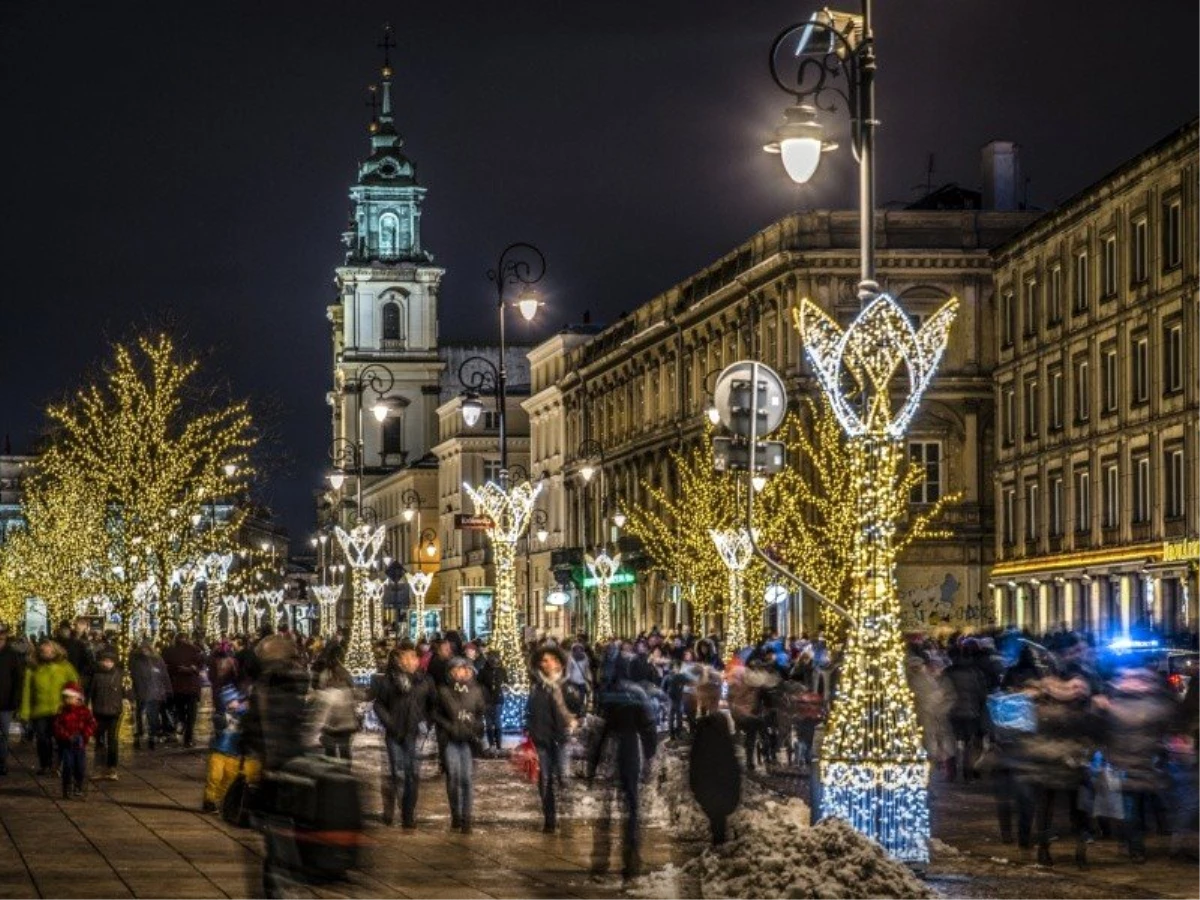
pixel 771 851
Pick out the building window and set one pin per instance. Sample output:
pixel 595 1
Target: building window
pixel 1111 387
pixel 1173 464
pixel 1171 238
pixel 1008 323
pixel 1031 409
pixel 1032 498
pixel 1172 357
pixel 1109 271
pixel 1139 361
pixel 1139 247
pixel 393 433
pixel 389 234
pixel 1083 501
pixel 1056 399
pixel 926 455
pixel 491 470
pixel 1082 391
pixel 491 420
pixel 1031 308
pixel 1054 298
pixel 391 321
pixel 1009 400
pixel 1081 282
pixel 1056 505
pixel 1141 489
pixel 1112 496
pixel 1010 508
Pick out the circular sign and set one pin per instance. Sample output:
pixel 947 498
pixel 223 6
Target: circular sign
pixel 775 593
pixel 732 398
pixel 558 598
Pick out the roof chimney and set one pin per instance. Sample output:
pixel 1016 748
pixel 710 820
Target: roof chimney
pixel 1001 164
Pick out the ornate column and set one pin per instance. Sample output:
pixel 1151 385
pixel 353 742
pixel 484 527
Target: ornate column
pixel 736 552
pixel 603 568
pixel 327 598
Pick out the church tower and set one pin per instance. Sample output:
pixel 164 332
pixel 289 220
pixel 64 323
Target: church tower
pixel 384 319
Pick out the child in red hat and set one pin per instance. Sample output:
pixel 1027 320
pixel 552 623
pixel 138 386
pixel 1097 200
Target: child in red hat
pixel 73 726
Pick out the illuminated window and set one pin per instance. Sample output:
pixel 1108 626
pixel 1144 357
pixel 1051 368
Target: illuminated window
pixel 491 470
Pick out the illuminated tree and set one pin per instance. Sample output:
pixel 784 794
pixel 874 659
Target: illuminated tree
pixel 124 497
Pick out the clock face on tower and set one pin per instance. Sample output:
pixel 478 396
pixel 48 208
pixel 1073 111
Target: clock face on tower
pixel 388 169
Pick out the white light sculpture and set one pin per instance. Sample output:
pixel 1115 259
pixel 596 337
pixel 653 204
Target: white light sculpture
pixel 374 594
pixel 874 769
pixel 871 351
pixel 361 546
pixel 736 552
pixel 510 511
pixel 327 598
pixel 418 583
pixel 604 569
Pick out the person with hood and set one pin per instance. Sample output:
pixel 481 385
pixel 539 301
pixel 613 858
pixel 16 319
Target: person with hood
pixel 12 676
pixel 629 725
pixel 491 680
pixel 713 771
pixel 75 648
pixel 334 720
pixel 548 723
pixel 41 697
pixel 106 693
pixel 1137 715
pixel 226 757
pixel 578 686
pixel 968 691
pixel 184 662
pixel 459 713
pixel 151 690
pixel 73 726
pixel 403 699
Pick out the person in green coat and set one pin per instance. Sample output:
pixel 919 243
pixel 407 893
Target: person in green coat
pixel 41 697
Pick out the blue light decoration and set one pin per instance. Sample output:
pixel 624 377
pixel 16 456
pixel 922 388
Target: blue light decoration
pixel 512 711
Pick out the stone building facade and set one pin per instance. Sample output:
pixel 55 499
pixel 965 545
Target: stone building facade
pixel 1097 390
pixel 625 397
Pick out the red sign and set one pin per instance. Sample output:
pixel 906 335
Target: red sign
pixel 464 522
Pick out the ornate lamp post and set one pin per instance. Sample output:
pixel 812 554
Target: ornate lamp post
pixel 345 453
pixel 874 771
pixel 508 506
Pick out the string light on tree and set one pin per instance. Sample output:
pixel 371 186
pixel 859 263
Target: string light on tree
pixel 418 583
pixel 361 545
pixel 737 553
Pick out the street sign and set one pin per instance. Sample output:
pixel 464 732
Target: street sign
pixel 465 522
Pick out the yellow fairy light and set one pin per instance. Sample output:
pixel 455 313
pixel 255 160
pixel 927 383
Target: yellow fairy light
pixel 737 552
pixel 603 568
pixel 418 583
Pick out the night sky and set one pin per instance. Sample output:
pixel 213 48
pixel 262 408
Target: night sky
pixel 187 164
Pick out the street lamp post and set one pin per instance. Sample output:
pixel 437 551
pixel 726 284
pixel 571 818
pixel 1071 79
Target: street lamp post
pixel 345 453
pixel 508 507
pixel 874 771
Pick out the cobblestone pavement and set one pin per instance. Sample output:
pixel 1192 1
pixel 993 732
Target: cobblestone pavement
pixel 144 836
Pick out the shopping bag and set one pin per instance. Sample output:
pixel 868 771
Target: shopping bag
pixel 1015 712
pixel 525 760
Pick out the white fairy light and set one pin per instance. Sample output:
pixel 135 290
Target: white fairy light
pixel 418 583
pixel 604 569
pixel 736 552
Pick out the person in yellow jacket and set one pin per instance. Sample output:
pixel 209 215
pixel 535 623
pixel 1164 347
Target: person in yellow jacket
pixel 41 697
pixel 226 758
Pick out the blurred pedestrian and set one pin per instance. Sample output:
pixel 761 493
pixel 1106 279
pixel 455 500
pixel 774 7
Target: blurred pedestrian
pixel 459 714
pixel 403 701
pixel 713 772
pixel 184 662
pixel 151 690
pixel 106 693
pixel 334 715
pixel 41 698
pixel 74 724
pixel 12 676
pixel 548 723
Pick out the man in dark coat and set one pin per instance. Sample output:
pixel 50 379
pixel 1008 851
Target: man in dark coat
pixel 966 707
pixel 459 712
pixel 12 669
pixel 714 774
pixel 548 723
pixel 79 654
pixel 491 679
pixel 403 698
pixel 629 724
pixel 184 662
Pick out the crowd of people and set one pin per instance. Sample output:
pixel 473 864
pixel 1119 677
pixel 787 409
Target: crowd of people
pixel 1111 747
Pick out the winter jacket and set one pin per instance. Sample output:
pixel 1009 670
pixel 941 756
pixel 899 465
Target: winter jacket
pixel 402 701
pixel 184 662
pixel 79 655
pixel 334 713
pixel 106 692
pixel 151 684
pixel 491 680
pixel 273 727
pixel 74 722
pixel 629 722
pixel 229 739
pixel 1137 716
pixel 41 694
pixel 459 712
pixel 12 671
pixel 713 773
pixel 969 690
pixel 547 719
